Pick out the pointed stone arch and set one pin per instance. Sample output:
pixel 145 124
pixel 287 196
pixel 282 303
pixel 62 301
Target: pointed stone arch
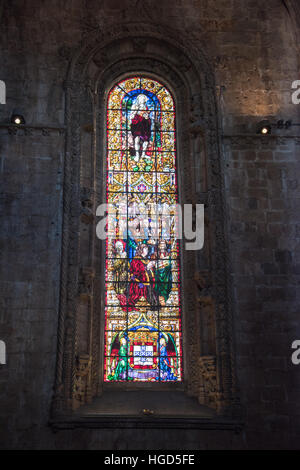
pixel 105 56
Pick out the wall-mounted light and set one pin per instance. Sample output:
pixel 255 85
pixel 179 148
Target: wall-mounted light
pixel 17 118
pixel 264 128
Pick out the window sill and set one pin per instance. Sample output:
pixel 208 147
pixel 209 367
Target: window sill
pixel 136 409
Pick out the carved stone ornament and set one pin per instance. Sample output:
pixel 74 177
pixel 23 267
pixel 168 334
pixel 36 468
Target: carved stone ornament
pixel 81 391
pixel 87 212
pixel 208 392
pixel 178 62
pixel 86 283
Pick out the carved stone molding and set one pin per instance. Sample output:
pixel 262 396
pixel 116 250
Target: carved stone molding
pixel 179 63
pixel 85 285
pixel 30 130
pixel 264 140
pixel 82 392
pixel 87 209
pixel 208 392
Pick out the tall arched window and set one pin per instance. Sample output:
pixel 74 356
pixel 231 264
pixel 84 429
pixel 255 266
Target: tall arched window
pixel 119 323
pixel 142 303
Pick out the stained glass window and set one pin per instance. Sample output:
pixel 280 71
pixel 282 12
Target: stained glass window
pixel 142 304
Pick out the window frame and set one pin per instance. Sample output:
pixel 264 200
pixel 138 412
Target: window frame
pixel 106 386
pixel 210 375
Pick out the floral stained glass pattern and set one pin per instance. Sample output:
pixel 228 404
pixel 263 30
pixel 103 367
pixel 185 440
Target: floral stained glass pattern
pixel 142 304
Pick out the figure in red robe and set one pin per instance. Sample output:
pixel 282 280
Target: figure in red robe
pixel 140 127
pixel 142 280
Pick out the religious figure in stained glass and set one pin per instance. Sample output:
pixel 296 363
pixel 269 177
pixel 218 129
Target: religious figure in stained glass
pixel 163 274
pixel 142 306
pixel 140 126
pixel 120 268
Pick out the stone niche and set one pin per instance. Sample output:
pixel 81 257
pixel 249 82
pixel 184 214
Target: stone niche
pixel 208 395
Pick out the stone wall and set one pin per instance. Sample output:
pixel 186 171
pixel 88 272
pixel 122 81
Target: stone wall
pixel 253 49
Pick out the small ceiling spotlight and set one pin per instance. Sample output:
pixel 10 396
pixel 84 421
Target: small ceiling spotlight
pixel 264 128
pixel 17 118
